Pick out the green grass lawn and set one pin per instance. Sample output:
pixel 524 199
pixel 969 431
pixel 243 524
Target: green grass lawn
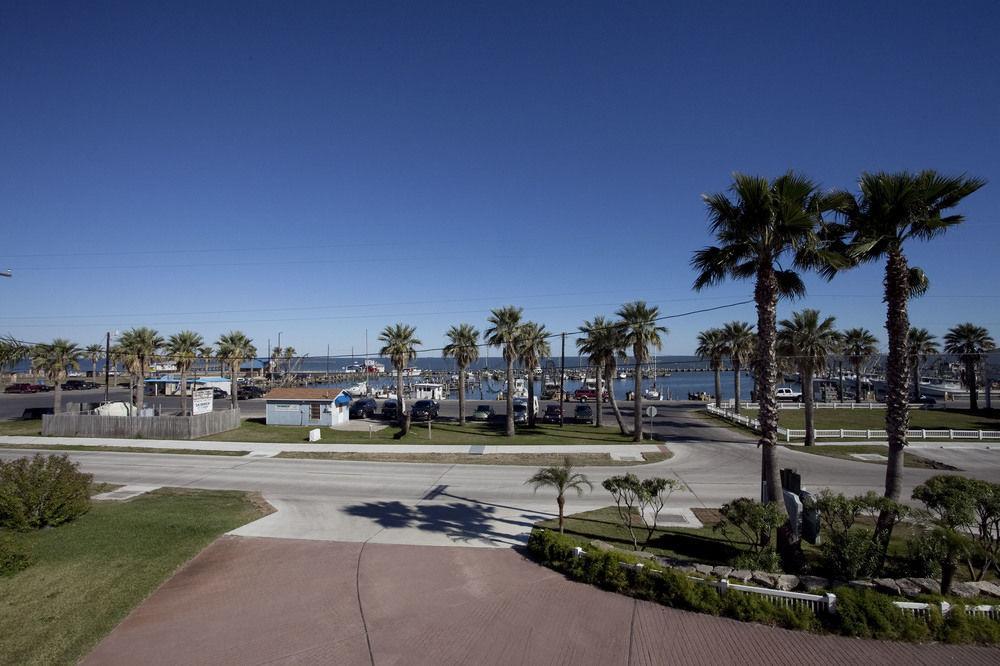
pixel 956 419
pixel 527 459
pixel 254 430
pixel 32 427
pixel 119 449
pixel 844 453
pixel 90 573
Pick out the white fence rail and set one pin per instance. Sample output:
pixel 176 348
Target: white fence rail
pixel 848 433
pixel 728 404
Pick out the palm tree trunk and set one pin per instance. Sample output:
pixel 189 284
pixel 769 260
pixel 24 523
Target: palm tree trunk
pixel 531 398
pixel 809 400
pixel 56 397
pixel 766 295
pixel 461 396
pixel 510 397
pixel 916 379
pixel 597 419
pixel 609 374
pixel 233 394
pixel 184 400
pixel 970 379
pixel 637 403
pixel 718 386
pixel 399 399
pixel 897 416
pixel 736 385
pixel 857 380
pixel 561 501
pixel 140 396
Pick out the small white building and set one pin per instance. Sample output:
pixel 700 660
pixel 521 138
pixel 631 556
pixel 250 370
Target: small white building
pixel 307 406
pixel 428 391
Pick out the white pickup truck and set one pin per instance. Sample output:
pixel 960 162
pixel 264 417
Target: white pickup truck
pixel 787 394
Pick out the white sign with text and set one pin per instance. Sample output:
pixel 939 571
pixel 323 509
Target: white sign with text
pixel 202 401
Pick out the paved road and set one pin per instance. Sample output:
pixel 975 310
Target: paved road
pixel 266 601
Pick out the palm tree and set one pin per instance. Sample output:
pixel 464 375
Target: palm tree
pixel 140 346
pixel 53 360
pixel 399 342
pixel 205 353
pixel 889 211
pixel 505 324
pixel 969 342
pixel 640 332
pixel 602 344
pixel 766 224
pixel 808 341
pixel 277 354
pixel 562 478
pixel 93 353
pixel 463 346
pixel 920 344
pixel 858 345
pixel 11 353
pixel 739 341
pixel 183 349
pixel 712 346
pixel 289 354
pixel 235 347
pixel 532 347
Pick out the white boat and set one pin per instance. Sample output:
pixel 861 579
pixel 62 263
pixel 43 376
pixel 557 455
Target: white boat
pixel 935 387
pixel 622 376
pixel 358 390
pixel 652 393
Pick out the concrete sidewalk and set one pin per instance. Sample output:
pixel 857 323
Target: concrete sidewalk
pixel 274 448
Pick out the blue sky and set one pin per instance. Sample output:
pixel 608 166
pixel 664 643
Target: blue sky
pixel 322 170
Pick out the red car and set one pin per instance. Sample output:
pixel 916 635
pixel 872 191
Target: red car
pixel 21 388
pixel 585 394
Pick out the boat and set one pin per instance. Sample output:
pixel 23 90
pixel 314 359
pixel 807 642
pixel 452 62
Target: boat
pixel 358 390
pixel 622 376
pixel 652 393
pixel 936 387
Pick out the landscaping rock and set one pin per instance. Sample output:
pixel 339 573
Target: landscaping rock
pixel 808 583
pixel 684 568
pixel 910 587
pixel 964 590
pixel 764 579
pixel 987 588
pixel 741 575
pixel 703 569
pixel 925 585
pixel 864 584
pixel 722 572
pixel 601 545
pixel 786 582
pixel 886 586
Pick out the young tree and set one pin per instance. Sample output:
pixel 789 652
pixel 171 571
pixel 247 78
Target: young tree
pixel 234 348
pixel 645 498
pixel 640 332
pixel 921 344
pixel 399 343
pixel 183 349
pixel 740 341
pixel 808 342
pixel 505 324
pixel 54 359
pixel 463 346
pixel 766 226
pixel 712 347
pixel 858 345
pixel 561 478
pixel 970 343
pixel 532 347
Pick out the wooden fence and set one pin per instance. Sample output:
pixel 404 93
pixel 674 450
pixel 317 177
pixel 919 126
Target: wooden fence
pixel 146 427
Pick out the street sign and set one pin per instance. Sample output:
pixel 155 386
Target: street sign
pixel 651 411
pixel 202 401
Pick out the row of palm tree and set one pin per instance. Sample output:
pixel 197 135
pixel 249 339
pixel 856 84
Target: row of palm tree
pixel 768 231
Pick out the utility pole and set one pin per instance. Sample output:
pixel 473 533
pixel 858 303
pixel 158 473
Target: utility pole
pixel 562 378
pixel 107 365
pixel 270 370
pixel 328 362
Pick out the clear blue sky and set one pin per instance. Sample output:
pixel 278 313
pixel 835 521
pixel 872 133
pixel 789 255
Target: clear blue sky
pixel 319 170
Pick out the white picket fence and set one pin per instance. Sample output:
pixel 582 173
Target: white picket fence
pixel 817 603
pixel 847 433
pixel 728 404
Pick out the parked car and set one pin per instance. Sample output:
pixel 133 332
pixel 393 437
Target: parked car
pixel 552 414
pixel 787 394
pixel 21 388
pixel 390 410
pixel 520 411
pixel 483 413
pixel 363 408
pixel 249 392
pixel 583 414
pixel 425 410
pixel 219 394
pixel 587 394
pixel 32 413
pixel 78 385
pixel 44 388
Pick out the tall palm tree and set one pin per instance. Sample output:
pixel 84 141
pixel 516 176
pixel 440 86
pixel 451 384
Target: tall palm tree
pixel 505 323
pixel 93 354
pixel 561 478
pixel 920 344
pixel 205 353
pixel 289 355
pixel 277 353
pixel 183 349
pixel 603 346
pixel 12 351
pixel 739 343
pixel 532 347
pixel 140 346
pixel 234 348
pixel 398 345
pixel 712 347
pixel 890 210
pixel 858 345
pixel 640 332
pixel 54 359
pixel 766 226
pixel 808 341
pixel 463 346
pixel 969 342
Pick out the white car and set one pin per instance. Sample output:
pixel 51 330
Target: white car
pixel 787 394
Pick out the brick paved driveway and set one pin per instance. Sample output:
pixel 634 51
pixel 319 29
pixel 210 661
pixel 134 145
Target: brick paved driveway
pixel 278 601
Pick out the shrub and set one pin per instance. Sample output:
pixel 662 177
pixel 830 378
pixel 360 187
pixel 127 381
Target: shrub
pixel 852 554
pixel 959 627
pixel 868 614
pixel 765 560
pixel 753 608
pixel 749 524
pixel 42 491
pixel 645 498
pixel 13 557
